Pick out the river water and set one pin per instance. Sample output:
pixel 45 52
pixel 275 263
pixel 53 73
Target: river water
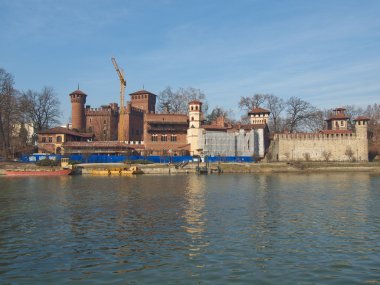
pixel 189 229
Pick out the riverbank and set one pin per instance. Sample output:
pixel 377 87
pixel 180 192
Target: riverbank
pixel 275 167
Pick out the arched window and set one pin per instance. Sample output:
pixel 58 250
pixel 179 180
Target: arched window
pixel 196 108
pixel 192 108
pixel 59 139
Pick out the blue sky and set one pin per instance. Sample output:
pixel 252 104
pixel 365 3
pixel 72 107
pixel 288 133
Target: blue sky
pixel 325 52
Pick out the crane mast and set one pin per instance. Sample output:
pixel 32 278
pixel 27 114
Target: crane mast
pixel 123 83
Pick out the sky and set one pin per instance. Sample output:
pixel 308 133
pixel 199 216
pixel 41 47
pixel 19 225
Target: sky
pixel 324 52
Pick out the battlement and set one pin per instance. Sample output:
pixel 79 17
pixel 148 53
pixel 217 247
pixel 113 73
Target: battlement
pixel 100 112
pixel 315 136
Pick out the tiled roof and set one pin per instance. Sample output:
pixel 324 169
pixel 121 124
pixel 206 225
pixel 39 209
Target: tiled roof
pixel 195 102
pixel 252 126
pixel 258 111
pixel 338 117
pixel 78 92
pixel 214 128
pixel 103 144
pixel 140 92
pixel 362 118
pixel 61 130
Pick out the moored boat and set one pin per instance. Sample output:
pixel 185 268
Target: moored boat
pixel 37 172
pixel 113 171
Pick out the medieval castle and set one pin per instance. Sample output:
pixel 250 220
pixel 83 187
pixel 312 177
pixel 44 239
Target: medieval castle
pixel 95 130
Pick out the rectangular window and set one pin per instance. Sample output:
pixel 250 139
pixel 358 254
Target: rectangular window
pixel 44 139
pixel 154 138
pixel 50 139
pixel 164 138
pixel 173 138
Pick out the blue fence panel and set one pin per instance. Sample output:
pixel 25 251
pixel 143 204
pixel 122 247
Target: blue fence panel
pixel 99 158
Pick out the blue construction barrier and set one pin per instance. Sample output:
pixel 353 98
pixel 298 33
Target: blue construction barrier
pixel 102 158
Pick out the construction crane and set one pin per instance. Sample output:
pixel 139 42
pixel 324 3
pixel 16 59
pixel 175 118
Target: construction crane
pixel 123 84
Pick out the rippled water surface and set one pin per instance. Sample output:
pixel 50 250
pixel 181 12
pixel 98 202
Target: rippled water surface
pixel 244 229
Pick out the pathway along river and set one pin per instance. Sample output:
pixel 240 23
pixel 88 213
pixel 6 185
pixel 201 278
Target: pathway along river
pixel 188 229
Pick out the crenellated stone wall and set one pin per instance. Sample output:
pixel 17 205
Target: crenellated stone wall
pixel 320 147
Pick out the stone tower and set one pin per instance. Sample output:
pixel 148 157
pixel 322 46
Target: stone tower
pixel 78 100
pixel 338 120
pixel 194 131
pixel 195 114
pixel 361 127
pixel 259 116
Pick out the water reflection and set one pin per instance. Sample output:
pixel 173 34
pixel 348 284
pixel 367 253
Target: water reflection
pixel 189 229
pixel 194 213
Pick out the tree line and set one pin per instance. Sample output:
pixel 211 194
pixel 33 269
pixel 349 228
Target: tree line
pixel 23 110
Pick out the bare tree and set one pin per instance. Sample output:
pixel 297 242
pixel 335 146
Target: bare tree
pixel 176 102
pixel 41 108
pixel 349 153
pixel 220 112
pixel 276 106
pixel 255 101
pixel 299 113
pixel 326 155
pixel 316 121
pixel 9 111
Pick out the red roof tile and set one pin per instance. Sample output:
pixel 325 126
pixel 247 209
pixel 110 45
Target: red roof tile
pixel 252 126
pixel 140 92
pixel 61 130
pixel 338 117
pixel 258 111
pixel 78 92
pixel 102 144
pixel 195 102
pixel 362 118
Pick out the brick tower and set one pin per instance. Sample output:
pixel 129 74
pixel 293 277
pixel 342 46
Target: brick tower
pixel 78 100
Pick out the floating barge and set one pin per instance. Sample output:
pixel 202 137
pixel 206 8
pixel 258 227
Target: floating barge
pixel 115 171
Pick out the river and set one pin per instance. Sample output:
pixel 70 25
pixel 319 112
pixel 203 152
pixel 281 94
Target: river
pixel 244 229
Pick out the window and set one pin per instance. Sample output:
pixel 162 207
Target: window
pixel 164 138
pixel 342 123
pixel 196 108
pixel 50 139
pixel 59 139
pixel 192 108
pixel 192 118
pixel 44 139
pixel 105 122
pixel 154 138
pixel 90 120
pixel 173 138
